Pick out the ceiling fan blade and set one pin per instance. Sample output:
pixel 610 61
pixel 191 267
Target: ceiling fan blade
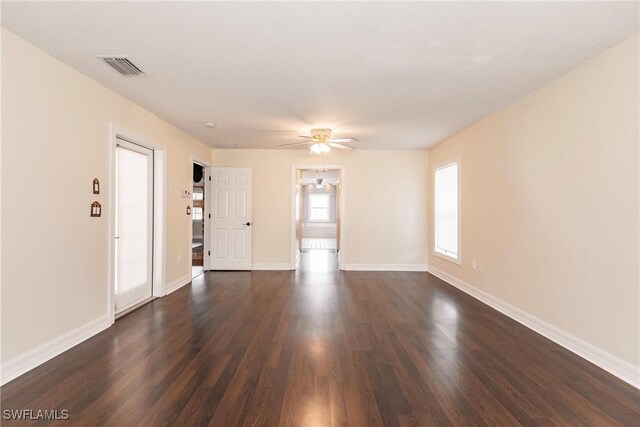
pixel 341 146
pixel 304 136
pixel 338 140
pixel 293 144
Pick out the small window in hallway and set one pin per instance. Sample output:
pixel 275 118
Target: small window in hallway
pixel 318 207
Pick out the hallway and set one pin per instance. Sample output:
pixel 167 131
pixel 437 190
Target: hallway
pixel 318 260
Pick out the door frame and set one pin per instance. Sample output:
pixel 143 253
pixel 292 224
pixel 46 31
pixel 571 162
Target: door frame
pixel 341 211
pixel 205 260
pixel 159 216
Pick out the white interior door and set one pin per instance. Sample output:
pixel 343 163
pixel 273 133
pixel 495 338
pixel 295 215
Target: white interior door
pixel 230 224
pixel 133 225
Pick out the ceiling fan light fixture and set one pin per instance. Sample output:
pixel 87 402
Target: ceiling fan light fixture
pixel 320 141
pixel 320 148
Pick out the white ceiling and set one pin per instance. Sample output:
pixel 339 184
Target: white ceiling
pixel 394 75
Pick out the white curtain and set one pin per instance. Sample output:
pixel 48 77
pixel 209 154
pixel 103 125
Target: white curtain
pixel 133 226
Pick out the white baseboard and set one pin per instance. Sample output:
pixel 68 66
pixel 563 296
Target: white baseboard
pixel 177 284
pixel 271 266
pixel 386 267
pixel 25 362
pixel 610 363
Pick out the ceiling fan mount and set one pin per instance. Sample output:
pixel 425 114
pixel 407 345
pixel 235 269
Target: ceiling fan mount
pixel 320 134
pixel 320 141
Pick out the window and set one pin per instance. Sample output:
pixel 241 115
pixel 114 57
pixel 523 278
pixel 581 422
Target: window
pixel 197 214
pixel 198 194
pixel 319 207
pixel 446 212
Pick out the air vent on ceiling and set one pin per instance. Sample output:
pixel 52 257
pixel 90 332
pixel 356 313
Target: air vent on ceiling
pixel 225 145
pixel 122 65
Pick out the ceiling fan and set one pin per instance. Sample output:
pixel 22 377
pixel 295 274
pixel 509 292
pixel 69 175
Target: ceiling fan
pixel 321 141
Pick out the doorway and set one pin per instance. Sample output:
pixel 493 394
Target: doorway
pixel 197 221
pixel 317 218
pixel 134 186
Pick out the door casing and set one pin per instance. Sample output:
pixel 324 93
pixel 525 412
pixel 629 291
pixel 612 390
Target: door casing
pixel 159 213
pixel 341 205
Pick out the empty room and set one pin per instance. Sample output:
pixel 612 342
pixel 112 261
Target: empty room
pixel 320 213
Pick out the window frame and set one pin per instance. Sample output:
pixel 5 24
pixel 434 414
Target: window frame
pixel 328 208
pixel 436 168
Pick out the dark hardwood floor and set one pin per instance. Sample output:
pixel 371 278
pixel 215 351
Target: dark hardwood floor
pixel 319 347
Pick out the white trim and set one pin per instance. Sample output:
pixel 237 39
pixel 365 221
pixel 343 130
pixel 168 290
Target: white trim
pixel 25 362
pixel 206 224
pixel 293 260
pixel 177 284
pixel 159 209
pixel 622 369
pixel 159 222
pixel 445 256
pixel 386 267
pixel 271 266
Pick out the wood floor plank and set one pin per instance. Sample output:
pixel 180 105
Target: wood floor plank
pixel 321 347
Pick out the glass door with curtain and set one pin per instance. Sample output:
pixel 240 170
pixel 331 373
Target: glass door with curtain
pixel 133 225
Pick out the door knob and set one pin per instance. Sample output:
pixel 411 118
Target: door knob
pixel 248 224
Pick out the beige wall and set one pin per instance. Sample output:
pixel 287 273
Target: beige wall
pixel 550 190
pixel 550 201
pixel 54 142
pixel 386 202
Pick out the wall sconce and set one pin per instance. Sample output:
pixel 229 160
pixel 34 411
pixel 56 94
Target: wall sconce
pixel 188 210
pixel 96 186
pixel 96 209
